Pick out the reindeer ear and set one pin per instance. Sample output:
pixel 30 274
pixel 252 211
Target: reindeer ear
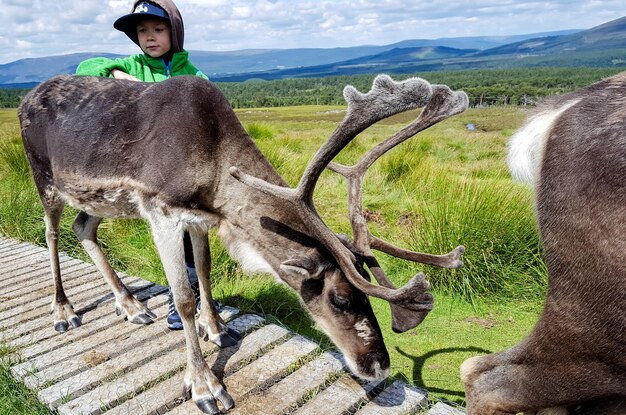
pixel 303 267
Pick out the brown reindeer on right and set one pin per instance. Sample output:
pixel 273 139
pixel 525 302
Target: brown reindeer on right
pixel 574 361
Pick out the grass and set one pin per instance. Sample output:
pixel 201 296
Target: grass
pixel 446 187
pixel 15 397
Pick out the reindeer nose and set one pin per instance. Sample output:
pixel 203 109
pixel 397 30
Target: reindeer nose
pixel 375 365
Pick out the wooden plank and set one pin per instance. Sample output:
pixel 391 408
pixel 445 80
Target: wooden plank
pixel 59 354
pixel 31 273
pixel 289 392
pixel 17 248
pixel 91 322
pixel 26 249
pixel 88 310
pixel 10 255
pixel 398 399
pixel 441 408
pixel 166 394
pixel 107 350
pixel 112 366
pixel 24 288
pixel 41 306
pixel 12 241
pixel 82 277
pixel 126 382
pixel 339 398
pixel 7 241
pixel 268 367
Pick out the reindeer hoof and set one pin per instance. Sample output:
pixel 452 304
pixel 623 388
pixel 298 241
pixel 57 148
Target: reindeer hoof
pixel 225 399
pixel 229 337
pixel 144 318
pixel 60 326
pixel 233 333
pixel 134 311
pixel 75 322
pixel 226 338
pixel 207 405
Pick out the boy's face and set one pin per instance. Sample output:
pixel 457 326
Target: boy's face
pixel 154 37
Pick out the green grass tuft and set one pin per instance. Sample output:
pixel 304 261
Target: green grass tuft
pixel 15 398
pixel 495 222
pixel 13 159
pixel 259 131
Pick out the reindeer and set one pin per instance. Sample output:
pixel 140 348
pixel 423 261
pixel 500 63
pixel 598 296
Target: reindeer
pixel 574 151
pixel 114 148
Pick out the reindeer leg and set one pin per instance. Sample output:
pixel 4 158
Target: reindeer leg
pixel 85 227
pixel 519 380
pixel 210 324
pixel 61 307
pixel 204 385
pixel 491 383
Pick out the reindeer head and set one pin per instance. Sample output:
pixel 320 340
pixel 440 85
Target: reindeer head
pixel 341 311
pixel 335 291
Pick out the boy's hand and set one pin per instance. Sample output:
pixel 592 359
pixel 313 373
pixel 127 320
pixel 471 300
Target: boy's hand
pixel 117 74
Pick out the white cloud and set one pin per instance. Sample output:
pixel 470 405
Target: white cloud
pixel 206 3
pixel 242 12
pixel 22 44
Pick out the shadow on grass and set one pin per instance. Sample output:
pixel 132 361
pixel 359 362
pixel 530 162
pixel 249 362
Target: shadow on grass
pixel 420 361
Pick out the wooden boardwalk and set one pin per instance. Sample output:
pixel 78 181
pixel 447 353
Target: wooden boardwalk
pixel 111 366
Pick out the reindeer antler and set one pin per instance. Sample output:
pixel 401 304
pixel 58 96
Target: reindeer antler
pixel 411 302
pixel 442 104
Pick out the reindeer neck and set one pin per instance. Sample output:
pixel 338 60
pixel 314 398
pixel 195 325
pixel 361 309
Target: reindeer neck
pixel 260 230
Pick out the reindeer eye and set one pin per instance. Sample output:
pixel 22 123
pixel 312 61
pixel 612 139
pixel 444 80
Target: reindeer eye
pixel 340 303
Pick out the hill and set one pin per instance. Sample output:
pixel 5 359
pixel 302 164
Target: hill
pixel 601 46
pixel 25 72
pixel 259 60
pixel 606 37
pixel 218 65
pixel 397 60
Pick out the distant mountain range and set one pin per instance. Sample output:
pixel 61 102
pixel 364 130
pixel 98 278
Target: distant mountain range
pixel 601 46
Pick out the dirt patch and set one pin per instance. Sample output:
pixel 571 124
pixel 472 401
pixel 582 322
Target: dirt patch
pixel 94 358
pixel 486 322
pixel 408 219
pixel 372 216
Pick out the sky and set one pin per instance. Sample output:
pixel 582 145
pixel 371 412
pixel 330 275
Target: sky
pixel 39 28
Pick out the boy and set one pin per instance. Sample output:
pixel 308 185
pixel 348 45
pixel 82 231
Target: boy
pixel 157 28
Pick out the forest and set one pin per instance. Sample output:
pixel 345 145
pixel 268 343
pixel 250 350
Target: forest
pixel 522 86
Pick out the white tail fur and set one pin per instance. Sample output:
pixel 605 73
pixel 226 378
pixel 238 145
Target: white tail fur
pixel 526 145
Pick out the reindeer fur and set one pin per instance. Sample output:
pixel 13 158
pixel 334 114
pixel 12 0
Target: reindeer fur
pixel 574 151
pixel 173 153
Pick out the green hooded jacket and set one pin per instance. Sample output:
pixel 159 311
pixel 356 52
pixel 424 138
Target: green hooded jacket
pixel 145 67
pixel 142 66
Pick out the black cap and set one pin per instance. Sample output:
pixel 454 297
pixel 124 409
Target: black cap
pixel 144 10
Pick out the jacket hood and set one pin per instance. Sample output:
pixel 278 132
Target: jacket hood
pixel 176 22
